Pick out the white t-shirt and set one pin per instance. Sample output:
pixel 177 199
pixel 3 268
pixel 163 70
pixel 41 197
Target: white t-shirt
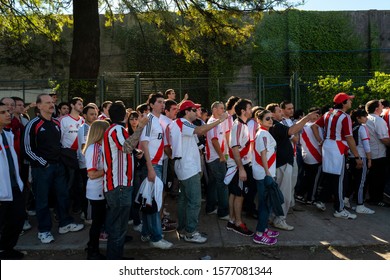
pixel 154 134
pixel 377 129
pixel 215 133
pixel 94 161
pixel 363 143
pixel 239 136
pixel 82 139
pixel 69 129
pixel 264 141
pixel 189 164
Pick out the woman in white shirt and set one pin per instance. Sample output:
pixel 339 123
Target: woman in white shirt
pixel 264 170
pixel 94 162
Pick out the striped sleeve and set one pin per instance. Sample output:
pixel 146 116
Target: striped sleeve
pixel 30 147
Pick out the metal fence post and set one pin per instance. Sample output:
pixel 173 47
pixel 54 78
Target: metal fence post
pixel 137 97
pixel 259 93
pixel 101 89
pixel 24 90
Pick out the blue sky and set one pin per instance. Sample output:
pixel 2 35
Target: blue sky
pixel 345 5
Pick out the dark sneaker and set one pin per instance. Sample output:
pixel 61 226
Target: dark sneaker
pixel 264 239
pixel 271 233
pixel 167 221
pixel 243 230
pixel 230 225
pixel 167 228
pixel 300 199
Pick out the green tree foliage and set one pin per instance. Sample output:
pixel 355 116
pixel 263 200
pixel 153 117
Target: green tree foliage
pixel 325 88
pixel 379 85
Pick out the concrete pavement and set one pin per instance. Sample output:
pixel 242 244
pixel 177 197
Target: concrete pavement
pixel 312 228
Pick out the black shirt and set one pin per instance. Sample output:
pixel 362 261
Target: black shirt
pixel 284 149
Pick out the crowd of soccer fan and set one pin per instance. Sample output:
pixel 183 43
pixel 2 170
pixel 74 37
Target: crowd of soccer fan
pixel 114 166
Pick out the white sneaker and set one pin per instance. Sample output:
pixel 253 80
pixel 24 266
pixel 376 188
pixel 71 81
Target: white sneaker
pixel 26 225
pixel 214 212
pixel 45 237
pixel 71 227
pixel 361 209
pixel 347 204
pixel 195 237
pixel 162 244
pixel 344 214
pixel 281 224
pixel 320 205
pixel 165 212
pixel 225 218
pixel 31 212
pixel 138 228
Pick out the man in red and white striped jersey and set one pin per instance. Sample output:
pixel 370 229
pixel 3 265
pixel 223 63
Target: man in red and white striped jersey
pixel 118 177
pixel 338 139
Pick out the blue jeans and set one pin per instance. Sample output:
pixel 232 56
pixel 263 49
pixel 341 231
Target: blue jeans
pixel 263 209
pixel 217 191
pixel 119 204
pixel 188 204
pixel 45 178
pixel 151 223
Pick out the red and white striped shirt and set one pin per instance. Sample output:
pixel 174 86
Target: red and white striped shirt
pixel 337 125
pixel 215 133
pixel 69 129
pixel 154 134
pixel 311 151
pixel 118 166
pixel 264 141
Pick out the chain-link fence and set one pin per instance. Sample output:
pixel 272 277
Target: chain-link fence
pixel 134 88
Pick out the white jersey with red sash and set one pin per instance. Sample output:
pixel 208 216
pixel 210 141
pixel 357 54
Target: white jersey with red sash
pixel 69 129
pixel 311 151
pixel 264 141
pixel 154 134
pixel 239 137
pixel 216 133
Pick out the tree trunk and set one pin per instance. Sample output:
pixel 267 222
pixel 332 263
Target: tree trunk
pixel 85 57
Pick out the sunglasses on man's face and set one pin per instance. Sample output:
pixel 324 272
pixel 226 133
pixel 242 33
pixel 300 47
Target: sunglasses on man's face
pixel 194 110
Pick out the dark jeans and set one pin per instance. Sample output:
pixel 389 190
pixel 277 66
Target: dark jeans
pixel 75 187
pixel 46 178
pixel 119 203
pixel 311 178
pixel 376 179
pixel 263 209
pixel 12 214
pixel 98 220
pixel 217 191
pixel 140 173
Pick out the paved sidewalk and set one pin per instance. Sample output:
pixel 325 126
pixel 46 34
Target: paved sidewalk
pixel 312 228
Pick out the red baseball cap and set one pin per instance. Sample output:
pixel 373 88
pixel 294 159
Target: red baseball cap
pixel 341 97
pixel 187 105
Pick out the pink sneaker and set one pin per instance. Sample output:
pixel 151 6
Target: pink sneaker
pixel 272 233
pixel 264 239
